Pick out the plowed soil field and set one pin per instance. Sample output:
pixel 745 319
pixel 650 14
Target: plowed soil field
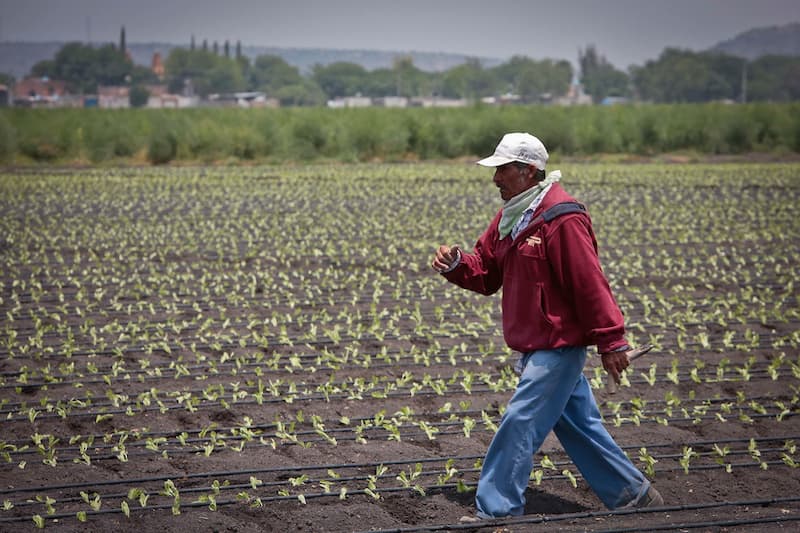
pixel 267 349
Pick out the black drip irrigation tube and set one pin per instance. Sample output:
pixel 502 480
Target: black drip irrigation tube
pixel 624 512
pixel 274 339
pixel 312 393
pixel 190 445
pixel 269 484
pixel 298 468
pixel 300 397
pixel 170 373
pixel 460 413
pixel 508 521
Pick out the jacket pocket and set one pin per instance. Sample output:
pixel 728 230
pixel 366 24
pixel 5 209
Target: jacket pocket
pixel 532 246
pixel 541 300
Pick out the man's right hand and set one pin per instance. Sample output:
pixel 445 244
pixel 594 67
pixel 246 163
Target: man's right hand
pixel 445 257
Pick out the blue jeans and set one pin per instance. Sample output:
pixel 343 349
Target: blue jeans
pixel 553 394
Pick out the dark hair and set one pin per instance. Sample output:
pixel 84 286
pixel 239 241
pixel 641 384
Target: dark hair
pixel 540 173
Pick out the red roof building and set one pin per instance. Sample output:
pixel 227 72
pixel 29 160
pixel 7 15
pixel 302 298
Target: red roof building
pixel 40 91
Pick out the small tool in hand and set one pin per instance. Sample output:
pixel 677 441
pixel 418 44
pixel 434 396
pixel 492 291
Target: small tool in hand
pixel 611 385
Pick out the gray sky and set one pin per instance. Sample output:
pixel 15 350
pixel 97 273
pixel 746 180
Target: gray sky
pixel 625 31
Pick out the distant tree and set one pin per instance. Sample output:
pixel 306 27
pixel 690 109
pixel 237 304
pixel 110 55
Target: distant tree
pixel 142 75
pixel 270 73
pixel 191 43
pixel 686 76
pixel 84 67
pixel 227 48
pixel 773 78
pixel 409 80
pixel 45 67
pixel 111 66
pixel 469 80
pixel 305 93
pixel 600 78
pixel 6 79
pixel 531 79
pixel 340 79
pixel 209 73
pixel 379 83
pixel 122 40
pixel 138 96
pixel 216 48
pixel 238 49
pixel 225 77
pixel 205 45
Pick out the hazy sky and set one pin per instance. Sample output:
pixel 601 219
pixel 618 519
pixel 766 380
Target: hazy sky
pixel 625 31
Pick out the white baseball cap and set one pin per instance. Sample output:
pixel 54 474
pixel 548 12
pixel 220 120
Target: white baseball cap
pixel 522 147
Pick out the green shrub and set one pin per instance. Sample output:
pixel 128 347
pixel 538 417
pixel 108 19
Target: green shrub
pixel 139 96
pixel 163 147
pixel 111 136
pixel 306 134
pixel 8 140
pixel 246 143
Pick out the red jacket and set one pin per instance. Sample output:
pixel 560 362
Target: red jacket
pixel 554 292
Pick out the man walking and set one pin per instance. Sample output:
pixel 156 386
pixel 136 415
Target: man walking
pixel 541 249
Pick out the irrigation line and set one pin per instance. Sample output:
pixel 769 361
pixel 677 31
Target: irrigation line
pixel 538 519
pixel 370 466
pixel 648 415
pixel 311 359
pixel 391 475
pixel 711 524
pixel 131 450
pixel 306 396
pixel 229 433
pixel 621 512
pixel 58 516
pixel 310 304
pixel 313 301
pixel 300 396
pixel 278 340
pixel 171 373
pixel 11 407
pixel 339 433
pixel 233 473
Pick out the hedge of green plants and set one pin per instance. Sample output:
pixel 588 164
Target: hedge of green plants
pixel 303 134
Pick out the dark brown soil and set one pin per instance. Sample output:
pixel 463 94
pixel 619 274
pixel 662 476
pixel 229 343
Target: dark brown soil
pixel 174 413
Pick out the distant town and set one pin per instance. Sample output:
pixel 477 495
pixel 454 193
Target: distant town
pixel 215 74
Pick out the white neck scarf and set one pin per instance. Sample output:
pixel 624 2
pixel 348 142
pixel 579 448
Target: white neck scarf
pixel 516 206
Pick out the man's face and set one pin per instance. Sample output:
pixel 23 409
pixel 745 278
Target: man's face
pixel 512 179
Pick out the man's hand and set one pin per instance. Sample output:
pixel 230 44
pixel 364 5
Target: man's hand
pixel 614 363
pixel 445 257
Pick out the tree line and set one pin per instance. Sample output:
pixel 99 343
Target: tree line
pixel 676 76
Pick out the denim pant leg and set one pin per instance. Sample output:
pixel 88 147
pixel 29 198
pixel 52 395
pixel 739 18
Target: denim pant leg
pixel 606 468
pixel 547 381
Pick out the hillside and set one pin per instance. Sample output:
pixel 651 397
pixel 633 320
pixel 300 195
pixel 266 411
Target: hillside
pixel 17 58
pixel 773 40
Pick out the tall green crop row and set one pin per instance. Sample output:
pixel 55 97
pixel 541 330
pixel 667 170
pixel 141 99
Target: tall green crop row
pixel 304 134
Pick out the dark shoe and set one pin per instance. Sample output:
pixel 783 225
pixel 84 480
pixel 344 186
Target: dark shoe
pixel 651 499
